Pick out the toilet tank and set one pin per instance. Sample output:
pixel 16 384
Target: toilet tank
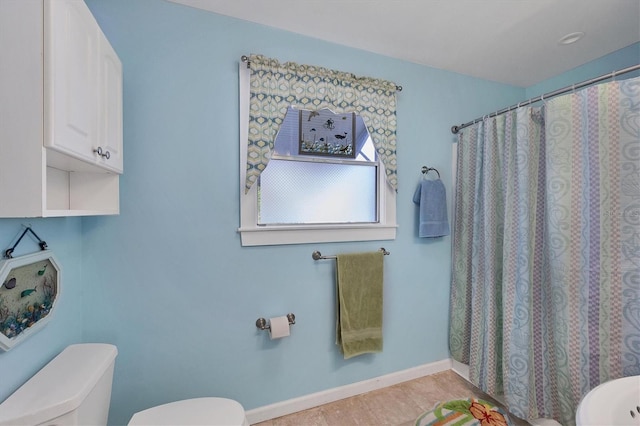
pixel 73 389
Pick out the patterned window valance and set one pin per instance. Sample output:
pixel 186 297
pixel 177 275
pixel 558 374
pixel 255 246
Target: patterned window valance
pixel 275 86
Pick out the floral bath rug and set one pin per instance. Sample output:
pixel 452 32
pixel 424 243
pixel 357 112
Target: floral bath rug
pixel 464 412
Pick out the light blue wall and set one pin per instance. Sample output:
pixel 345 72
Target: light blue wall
pixel 617 60
pixel 167 280
pixel 173 288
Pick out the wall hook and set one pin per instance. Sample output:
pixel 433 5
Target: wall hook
pixel 43 245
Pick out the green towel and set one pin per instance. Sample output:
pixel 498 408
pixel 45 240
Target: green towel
pixel 359 299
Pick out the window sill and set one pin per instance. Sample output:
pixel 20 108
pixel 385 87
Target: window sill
pixel 275 235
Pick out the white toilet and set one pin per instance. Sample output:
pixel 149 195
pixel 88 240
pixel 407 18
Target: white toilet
pixel 196 411
pixel 73 389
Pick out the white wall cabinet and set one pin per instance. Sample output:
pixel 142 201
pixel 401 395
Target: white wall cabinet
pixel 60 111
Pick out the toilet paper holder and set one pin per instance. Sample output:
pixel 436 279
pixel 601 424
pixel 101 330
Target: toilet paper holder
pixel 261 323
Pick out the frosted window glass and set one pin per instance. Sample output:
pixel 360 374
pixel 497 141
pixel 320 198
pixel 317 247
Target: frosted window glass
pixel 299 192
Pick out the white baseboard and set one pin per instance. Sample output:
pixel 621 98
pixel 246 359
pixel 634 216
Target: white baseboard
pixel 294 405
pixel 460 368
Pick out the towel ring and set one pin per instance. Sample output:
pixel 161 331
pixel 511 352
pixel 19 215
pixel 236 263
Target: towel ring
pixel 426 170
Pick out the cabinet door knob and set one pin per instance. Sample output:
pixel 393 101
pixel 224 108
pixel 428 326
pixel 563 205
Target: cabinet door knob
pixel 105 154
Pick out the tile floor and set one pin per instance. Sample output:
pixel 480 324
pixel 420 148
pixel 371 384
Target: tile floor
pixel 398 405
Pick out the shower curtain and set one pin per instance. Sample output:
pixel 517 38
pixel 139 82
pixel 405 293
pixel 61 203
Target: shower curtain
pixel 545 295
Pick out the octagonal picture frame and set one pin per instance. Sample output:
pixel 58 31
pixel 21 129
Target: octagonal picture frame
pixel 30 286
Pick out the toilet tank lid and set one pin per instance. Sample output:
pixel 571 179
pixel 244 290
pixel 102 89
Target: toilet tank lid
pixel 60 386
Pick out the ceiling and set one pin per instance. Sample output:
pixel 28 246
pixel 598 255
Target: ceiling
pixel 509 41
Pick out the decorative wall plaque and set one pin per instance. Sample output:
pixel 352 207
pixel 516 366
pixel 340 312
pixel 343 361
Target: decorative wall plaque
pixel 323 132
pixel 29 288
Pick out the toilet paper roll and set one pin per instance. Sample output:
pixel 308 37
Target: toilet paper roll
pixel 279 327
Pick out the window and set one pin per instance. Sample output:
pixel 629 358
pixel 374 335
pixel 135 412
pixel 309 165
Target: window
pixel 321 184
pixel 328 176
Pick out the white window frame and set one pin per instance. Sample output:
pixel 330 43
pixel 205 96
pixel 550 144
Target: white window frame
pixel 252 234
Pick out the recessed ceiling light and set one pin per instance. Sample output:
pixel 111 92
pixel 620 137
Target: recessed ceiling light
pixel 571 38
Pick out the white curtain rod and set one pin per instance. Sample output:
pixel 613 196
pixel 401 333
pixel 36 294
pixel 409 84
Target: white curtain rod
pixel 456 129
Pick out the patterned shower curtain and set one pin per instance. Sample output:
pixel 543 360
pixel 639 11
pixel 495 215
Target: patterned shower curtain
pixel 545 296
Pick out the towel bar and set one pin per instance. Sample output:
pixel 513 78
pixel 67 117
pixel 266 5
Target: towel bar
pixel 316 255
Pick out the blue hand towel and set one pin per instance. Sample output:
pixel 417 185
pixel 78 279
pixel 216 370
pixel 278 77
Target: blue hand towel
pixel 432 198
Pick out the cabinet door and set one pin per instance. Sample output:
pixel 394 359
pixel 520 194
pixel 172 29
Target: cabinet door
pixel 110 101
pixel 71 79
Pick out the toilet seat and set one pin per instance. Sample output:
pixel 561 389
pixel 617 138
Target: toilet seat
pixel 196 411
